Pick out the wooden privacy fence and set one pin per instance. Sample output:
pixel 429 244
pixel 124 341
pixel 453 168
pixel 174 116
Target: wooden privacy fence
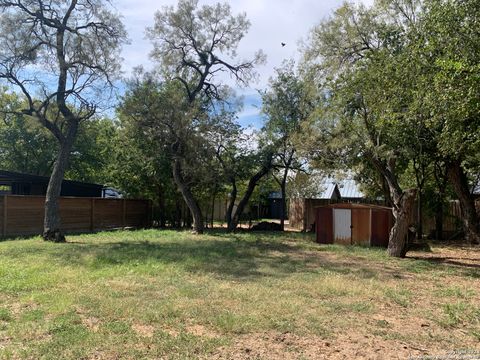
pixel 23 215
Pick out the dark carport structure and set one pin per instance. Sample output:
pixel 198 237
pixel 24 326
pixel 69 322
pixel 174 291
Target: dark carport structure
pixel 353 224
pixel 14 183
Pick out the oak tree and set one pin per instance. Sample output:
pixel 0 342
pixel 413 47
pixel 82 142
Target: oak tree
pixel 193 46
pixel 62 57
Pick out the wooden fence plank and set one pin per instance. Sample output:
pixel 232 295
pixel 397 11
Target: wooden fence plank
pixel 23 215
pixel 124 203
pixel 4 227
pixel 92 215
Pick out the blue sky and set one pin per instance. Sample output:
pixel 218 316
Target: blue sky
pixel 272 22
pixel 249 116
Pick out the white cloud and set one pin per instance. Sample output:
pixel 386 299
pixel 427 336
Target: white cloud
pixel 272 22
pixel 249 111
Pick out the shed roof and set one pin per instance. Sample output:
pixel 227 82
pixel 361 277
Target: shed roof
pixel 354 206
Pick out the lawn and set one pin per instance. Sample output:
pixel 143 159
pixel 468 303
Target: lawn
pixel 164 294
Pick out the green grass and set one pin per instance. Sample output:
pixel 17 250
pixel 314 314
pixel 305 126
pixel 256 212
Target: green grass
pixel 399 296
pixel 166 294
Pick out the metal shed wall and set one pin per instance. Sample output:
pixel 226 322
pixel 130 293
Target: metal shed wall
pixel 369 224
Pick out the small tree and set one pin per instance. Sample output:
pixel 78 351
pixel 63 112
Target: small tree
pixel 242 165
pixel 192 45
pixel 286 104
pixel 61 57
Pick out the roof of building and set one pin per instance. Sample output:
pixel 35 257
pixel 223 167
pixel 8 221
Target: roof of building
pixel 11 176
pixel 349 189
pixel 327 190
pixel 346 189
pixel 275 195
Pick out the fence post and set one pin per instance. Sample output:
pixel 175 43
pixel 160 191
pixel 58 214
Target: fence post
pixel 5 204
pixel 92 215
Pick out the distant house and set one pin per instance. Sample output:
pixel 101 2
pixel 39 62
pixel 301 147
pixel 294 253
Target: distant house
pixel 274 207
pixel 302 210
pixel 349 191
pixel 13 183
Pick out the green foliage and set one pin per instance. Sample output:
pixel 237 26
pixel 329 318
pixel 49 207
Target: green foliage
pixel 287 103
pixel 150 119
pixel 192 44
pixel 451 75
pixel 399 84
pixel 26 146
pixel 93 154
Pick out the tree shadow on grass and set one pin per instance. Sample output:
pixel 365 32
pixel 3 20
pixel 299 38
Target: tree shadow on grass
pixel 450 261
pixel 224 255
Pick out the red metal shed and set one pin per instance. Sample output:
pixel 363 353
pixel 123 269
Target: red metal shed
pixel 358 224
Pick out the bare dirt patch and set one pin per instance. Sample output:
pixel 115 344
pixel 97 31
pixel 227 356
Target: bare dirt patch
pixel 290 346
pixel 90 322
pixel 144 330
pixel 343 346
pixel 200 330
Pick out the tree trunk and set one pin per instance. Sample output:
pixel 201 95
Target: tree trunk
pixel 419 166
pixel 52 222
pixel 188 197
pixel 441 178
pixel 386 192
pixel 232 225
pixel 459 181
pixel 162 218
pixel 283 205
pixel 283 187
pixel 241 206
pixel 420 214
pixel 213 208
pixel 439 220
pixel 403 207
pixel 399 235
pixel 231 203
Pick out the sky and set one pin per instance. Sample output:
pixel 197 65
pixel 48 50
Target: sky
pixel 272 22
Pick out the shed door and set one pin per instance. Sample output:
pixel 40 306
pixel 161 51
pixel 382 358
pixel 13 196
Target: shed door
pixel 381 226
pixel 324 226
pixel 342 226
pixel 361 226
